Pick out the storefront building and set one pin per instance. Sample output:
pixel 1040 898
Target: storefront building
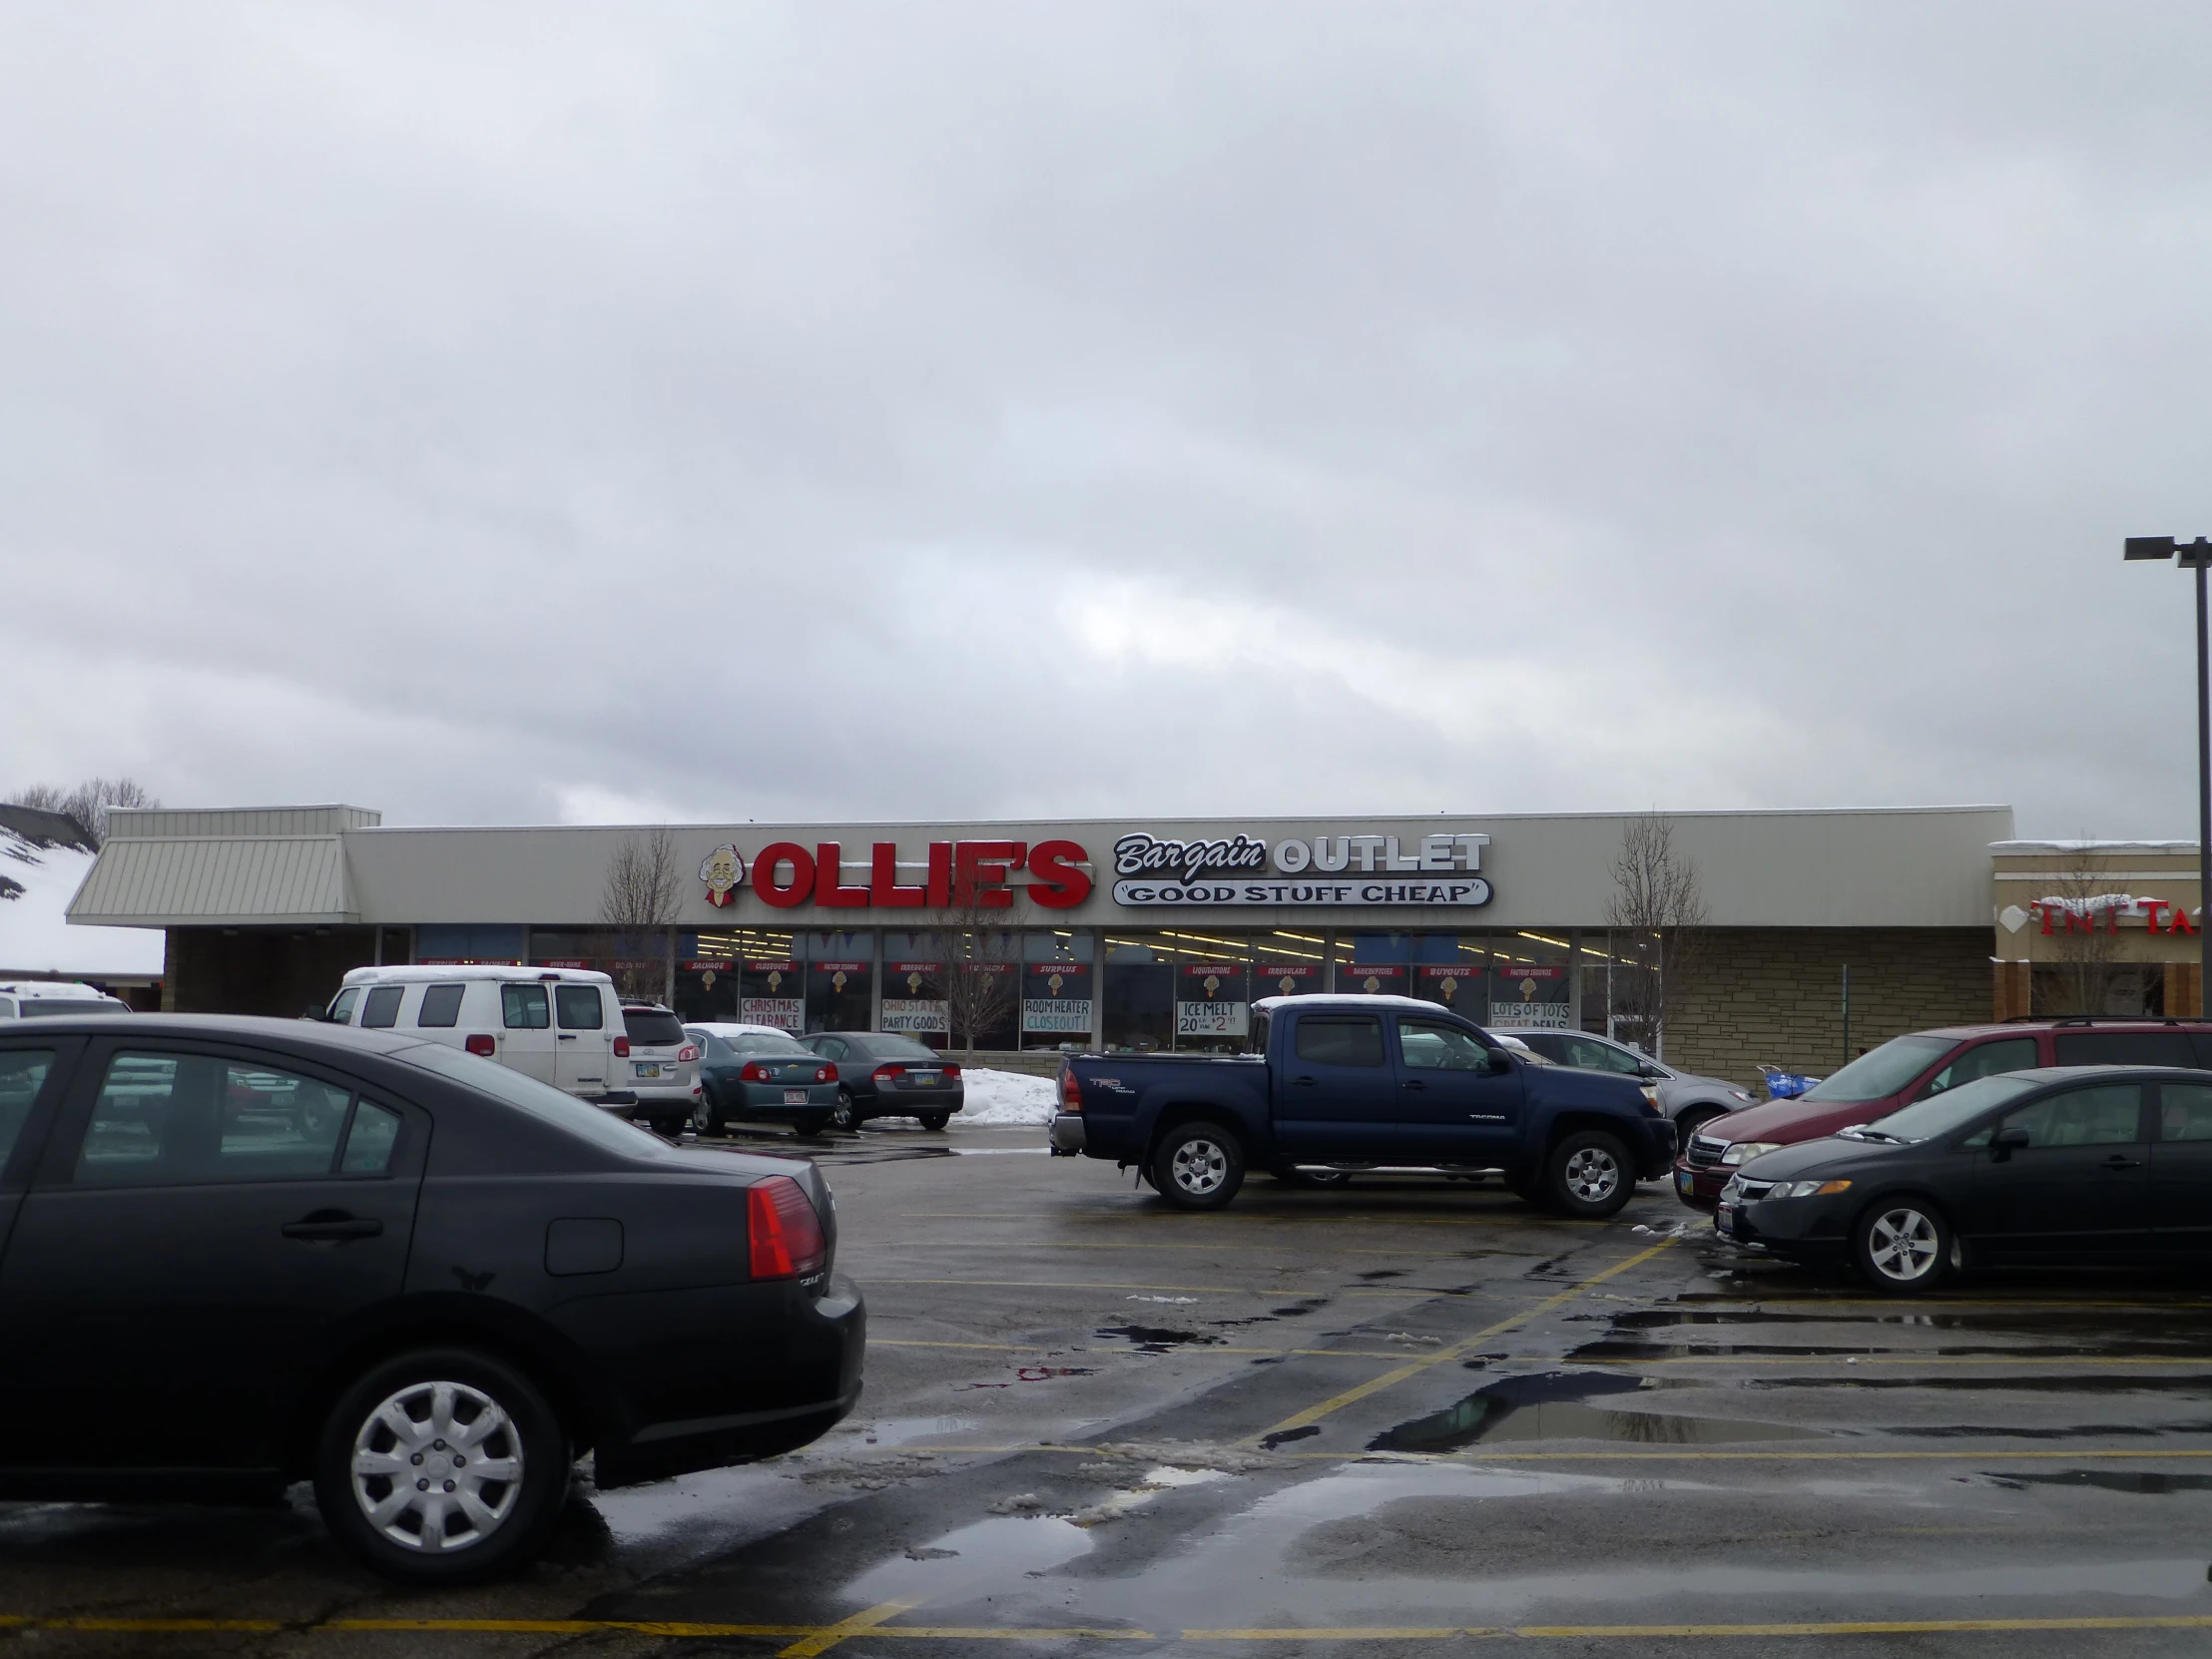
pixel 1134 934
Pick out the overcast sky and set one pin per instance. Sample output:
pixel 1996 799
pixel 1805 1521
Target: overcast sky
pixel 632 411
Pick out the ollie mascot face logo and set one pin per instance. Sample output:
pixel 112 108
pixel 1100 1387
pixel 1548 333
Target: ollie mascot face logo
pixel 722 870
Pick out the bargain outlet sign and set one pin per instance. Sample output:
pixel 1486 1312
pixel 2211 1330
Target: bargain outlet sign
pixel 786 874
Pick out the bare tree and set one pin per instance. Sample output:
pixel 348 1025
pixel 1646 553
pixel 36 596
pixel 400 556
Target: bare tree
pixel 1656 916
pixel 87 806
pixel 2083 919
pixel 639 905
pixel 980 984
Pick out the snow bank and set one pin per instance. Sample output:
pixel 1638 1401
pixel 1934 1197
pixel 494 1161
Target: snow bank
pixel 998 1098
pixel 35 932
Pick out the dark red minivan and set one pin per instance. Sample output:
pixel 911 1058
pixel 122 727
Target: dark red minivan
pixel 1905 1070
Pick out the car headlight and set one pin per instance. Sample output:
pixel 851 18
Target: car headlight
pixel 1809 1189
pixel 1741 1094
pixel 1651 1098
pixel 1748 1149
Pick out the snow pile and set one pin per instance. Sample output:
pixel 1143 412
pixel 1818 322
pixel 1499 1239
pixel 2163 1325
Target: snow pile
pixel 36 884
pixel 1006 1097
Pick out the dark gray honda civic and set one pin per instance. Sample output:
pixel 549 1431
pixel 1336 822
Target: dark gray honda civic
pixel 239 1252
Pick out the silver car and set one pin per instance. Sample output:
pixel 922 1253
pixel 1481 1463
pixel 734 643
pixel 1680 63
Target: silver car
pixel 1683 1095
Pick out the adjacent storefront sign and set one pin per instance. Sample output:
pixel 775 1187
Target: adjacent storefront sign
pixel 1209 1000
pixel 1455 984
pixel 913 1000
pixel 1372 978
pixel 771 995
pixel 1056 998
pixel 1528 994
pixel 1233 872
pixel 1286 978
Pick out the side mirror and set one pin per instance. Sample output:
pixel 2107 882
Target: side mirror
pixel 1649 1071
pixel 2004 1141
pixel 1500 1062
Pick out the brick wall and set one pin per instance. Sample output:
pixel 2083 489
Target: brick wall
pixel 1776 995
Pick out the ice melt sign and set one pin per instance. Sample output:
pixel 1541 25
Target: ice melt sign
pixel 1339 871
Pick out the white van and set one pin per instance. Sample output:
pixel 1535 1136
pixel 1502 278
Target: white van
pixel 560 1026
pixel 32 998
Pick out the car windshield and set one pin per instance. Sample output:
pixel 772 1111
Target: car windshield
pixel 763 1043
pixel 541 1100
pixel 1940 1114
pixel 59 1007
pixel 1880 1072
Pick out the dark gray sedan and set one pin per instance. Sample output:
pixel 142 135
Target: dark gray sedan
pixel 756 1072
pixel 884 1075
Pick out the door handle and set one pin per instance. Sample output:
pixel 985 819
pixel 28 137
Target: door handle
pixel 1305 1082
pixel 2119 1161
pixel 568 1037
pixel 1412 1083
pixel 334 1227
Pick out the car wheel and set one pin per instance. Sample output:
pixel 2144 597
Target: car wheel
pixel 1690 1123
pixel 1291 1176
pixel 442 1466
pixel 1904 1246
pixel 707 1116
pixel 813 1123
pixel 934 1120
pixel 1587 1175
pixel 1198 1167
pixel 845 1114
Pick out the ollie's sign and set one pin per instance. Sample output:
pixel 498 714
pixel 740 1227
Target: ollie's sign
pixel 956 875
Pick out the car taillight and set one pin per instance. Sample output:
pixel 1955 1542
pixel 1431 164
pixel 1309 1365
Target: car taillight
pixel 753 1072
pixel 825 1074
pixel 483 1042
pixel 888 1074
pixel 784 1232
pixel 953 1071
pixel 686 1052
pixel 622 1048
pixel 1071 1093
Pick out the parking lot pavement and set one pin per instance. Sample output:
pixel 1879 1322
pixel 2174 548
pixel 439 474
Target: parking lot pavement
pixel 1386 1419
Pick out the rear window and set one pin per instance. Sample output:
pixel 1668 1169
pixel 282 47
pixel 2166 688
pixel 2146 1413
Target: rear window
pixel 1341 1039
pixel 763 1044
pixel 441 1005
pixel 897 1049
pixel 60 1007
pixel 651 1027
pixel 2124 1048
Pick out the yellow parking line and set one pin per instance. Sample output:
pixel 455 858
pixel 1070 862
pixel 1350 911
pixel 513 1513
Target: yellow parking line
pixel 822 1641
pixel 559 1627
pixel 1459 1350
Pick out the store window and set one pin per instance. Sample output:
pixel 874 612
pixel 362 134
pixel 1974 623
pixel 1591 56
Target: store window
pixel 468 941
pixel 770 991
pixel 1139 1011
pixel 1058 1004
pixel 1451 970
pixel 572 947
pixel 840 981
pixel 1289 964
pixel 706 975
pixel 1532 981
pixel 914 1001
pixel 1375 964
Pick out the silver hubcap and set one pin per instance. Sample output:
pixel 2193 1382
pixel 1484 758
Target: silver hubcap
pixel 1199 1167
pixel 841 1113
pixel 1903 1245
pixel 1592 1175
pixel 437 1468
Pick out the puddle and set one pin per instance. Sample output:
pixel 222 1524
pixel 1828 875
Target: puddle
pixel 1149 1485
pixel 2196 1387
pixel 2081 1431
pixel 1271 1441
pixel 2142 1482
pixel 907 1430
pixel 1550 1406
pixel 1635 1352
pixel 1383 1272
pixel 1001 1549
pixel 1156 1338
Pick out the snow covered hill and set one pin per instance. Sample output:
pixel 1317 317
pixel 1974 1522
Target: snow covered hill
pixel 36 884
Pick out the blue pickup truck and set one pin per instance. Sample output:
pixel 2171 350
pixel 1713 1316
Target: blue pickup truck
pixel 1363 1081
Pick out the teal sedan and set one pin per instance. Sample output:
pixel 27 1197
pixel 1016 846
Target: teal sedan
pixel 759 1072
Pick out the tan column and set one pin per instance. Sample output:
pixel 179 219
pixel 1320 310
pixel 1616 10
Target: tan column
pixel 2184 990
pixel 2013 983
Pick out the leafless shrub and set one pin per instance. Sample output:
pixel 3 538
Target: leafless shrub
pixel 2084 937
pixel 88 805
pixel 639 905
pixel 975 976
pixel 1656 916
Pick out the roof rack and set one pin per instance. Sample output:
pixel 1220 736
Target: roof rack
pixel 2097 1019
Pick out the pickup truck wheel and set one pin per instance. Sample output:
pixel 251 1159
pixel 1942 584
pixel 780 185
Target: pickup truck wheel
pixel 1587 1175
pixel 1198 1167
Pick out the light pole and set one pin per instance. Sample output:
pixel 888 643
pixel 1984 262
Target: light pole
pixel 2195 555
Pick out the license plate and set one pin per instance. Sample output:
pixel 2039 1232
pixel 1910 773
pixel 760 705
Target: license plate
pixel 1684 1182
pixel 648 1070
pixel 794 1097
pixel 1724 1220
pixel 923 1079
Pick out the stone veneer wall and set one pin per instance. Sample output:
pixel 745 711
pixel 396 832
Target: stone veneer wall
pixel 1776 994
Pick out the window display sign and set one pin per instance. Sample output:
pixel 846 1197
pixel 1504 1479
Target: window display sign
pixel 1456 985
pixel 771 995
pixel 1209 1001
pixel 1372 978
pixel 1286 979
pixel 913 999
pixel 1526 993
pixel 1056 998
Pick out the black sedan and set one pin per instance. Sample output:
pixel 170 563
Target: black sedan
pixel 2069 1164
pixel 884 1075
pixel 427 1285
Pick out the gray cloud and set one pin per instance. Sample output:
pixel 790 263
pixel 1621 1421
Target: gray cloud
pixel 788 411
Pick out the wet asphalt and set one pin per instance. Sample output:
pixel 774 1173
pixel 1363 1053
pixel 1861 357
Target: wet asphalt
pixel 1401 1418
